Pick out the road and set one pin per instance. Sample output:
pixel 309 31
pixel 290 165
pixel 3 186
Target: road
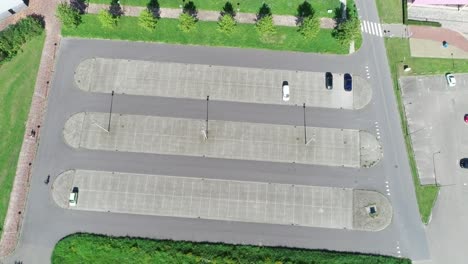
pixel 45 223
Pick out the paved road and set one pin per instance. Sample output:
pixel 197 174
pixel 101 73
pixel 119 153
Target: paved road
pixel 45 223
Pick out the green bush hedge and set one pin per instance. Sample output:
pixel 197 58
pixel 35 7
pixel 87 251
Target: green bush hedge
pixel 424 23
pixel 14 36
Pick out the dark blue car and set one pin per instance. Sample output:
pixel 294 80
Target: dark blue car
pixel 348 82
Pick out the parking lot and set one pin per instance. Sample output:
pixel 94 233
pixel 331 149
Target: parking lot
pixel 257 202
pixel 219 82
pixel 230 140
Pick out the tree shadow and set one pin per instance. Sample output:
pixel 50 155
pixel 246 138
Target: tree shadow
pixel 228 9
pixel 115 8
pixel 79 5
pixel 190 9
pixel 154 8
pixel 40 18
pixel 264 11
pixel 304 10
pixel 338 14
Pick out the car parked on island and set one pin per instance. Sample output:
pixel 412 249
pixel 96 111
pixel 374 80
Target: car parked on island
pixel 451 79
pixel 285 91
pixel 348 82
pixel 329 80
pixel 73 198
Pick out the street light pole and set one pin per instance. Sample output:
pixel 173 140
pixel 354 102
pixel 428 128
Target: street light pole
pixel 207 103
pixel 433 163
pixel 110 111
pixel 453 62
pixel 305 127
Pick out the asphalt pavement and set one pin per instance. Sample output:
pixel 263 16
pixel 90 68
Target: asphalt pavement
pixel 45 223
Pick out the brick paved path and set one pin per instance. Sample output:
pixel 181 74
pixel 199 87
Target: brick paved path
pixel 247 18
pixel 440 34
pixel 18 197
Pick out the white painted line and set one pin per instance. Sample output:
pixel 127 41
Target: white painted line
pixel 386 182
pixel 388 190
pixel 366 27
pixel 374 30
pixel 366 68
pixel 362 26
pixel 380 30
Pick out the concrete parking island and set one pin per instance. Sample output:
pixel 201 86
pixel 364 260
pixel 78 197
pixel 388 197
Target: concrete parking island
pixel 229 140
pixel 219 82
pixel 244 201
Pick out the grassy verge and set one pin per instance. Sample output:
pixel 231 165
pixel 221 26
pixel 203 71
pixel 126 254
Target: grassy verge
pixel 278 7
pixel 390 11
pixel 17 78
pixel 206 33
pixel 424 23
pixel 87 248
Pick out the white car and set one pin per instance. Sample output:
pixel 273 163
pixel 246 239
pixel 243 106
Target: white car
pixel 285 91
pixel 451 79
pixel 73 198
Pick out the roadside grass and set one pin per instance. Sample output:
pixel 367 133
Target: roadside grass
pixel 390 11
pixel 206 33
pixel 17 79
pixel 89 248
pixel 278 7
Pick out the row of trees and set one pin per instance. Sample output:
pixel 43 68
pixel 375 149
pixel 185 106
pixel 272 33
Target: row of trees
pixel 307 21
pixel 14 36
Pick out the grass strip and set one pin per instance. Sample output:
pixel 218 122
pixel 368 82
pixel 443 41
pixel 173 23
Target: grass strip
pixel 88 248
pixel 390 11
pixel 424 23
pixel 206 33
pixel 17 78
pixel 278 7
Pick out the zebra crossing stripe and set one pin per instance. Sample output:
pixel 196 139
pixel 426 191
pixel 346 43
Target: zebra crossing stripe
pixel 380 30
pixel 374 30
pixel 365 26
pixel 362 26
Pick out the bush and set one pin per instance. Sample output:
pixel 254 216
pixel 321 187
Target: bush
pixel 69 16
pixel 14 36
pixel 187 22
pixel 309 27
pixel 424 23
pixel 107 19
pixel 226 24
pixel 147 20
pixel 347 31
pixel 265 26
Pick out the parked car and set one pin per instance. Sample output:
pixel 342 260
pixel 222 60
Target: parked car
pixel 451 79
pixel 465 118
pixel 464 163
pixel 329 80
pixel 348 82
pixel 285 91
pixel 73 199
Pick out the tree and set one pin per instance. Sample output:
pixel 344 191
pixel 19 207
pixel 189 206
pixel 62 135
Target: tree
pixel 107 19
pixel 187 22
pixel 147 19
pixel 226 24
pixel 347 31
pixel 265 26
pixel 309 27
pixel 68 15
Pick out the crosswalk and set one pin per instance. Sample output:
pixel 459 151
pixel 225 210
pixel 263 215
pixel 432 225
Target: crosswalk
pixel 371 28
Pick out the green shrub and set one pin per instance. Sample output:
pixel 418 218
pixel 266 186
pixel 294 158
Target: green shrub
pixel 309 27
pixel 147 20
pixel 347 31
pixel 265 26
pixel 14 36
pixel 226 24
pixel 424 23
pixel 69 16
pixel 107 19
pixel 187 22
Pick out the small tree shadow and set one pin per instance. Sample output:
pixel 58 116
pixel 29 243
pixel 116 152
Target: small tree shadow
pixel 304 10
pixel 115 8
pixel 154 8
pixel 338 14
pixel 39 18
pixel 264 11
pixel 79 5
pixel 228 9
pixel 190 9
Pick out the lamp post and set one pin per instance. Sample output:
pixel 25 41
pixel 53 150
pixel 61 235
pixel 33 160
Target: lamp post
pixel 110 111
pixel 433 165
pixel 453 62
pixel 207 103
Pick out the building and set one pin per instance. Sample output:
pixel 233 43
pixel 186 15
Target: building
pixel 10 7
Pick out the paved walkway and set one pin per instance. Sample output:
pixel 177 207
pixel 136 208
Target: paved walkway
pixel 448 17
pixel 247 18
pixel 440 34
pixel 19 192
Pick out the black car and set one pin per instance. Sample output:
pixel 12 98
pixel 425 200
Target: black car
pixel 464 163
pixel 348 82
pixel 328 80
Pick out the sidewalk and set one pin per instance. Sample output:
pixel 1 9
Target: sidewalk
pixel 204 15
pixel 19 193
pixel 449 17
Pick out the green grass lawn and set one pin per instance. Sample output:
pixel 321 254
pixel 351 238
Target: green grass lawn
pixel 17 78
pixel 278 7
pixel 390 11
pixel 87 248
pixel 206 33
